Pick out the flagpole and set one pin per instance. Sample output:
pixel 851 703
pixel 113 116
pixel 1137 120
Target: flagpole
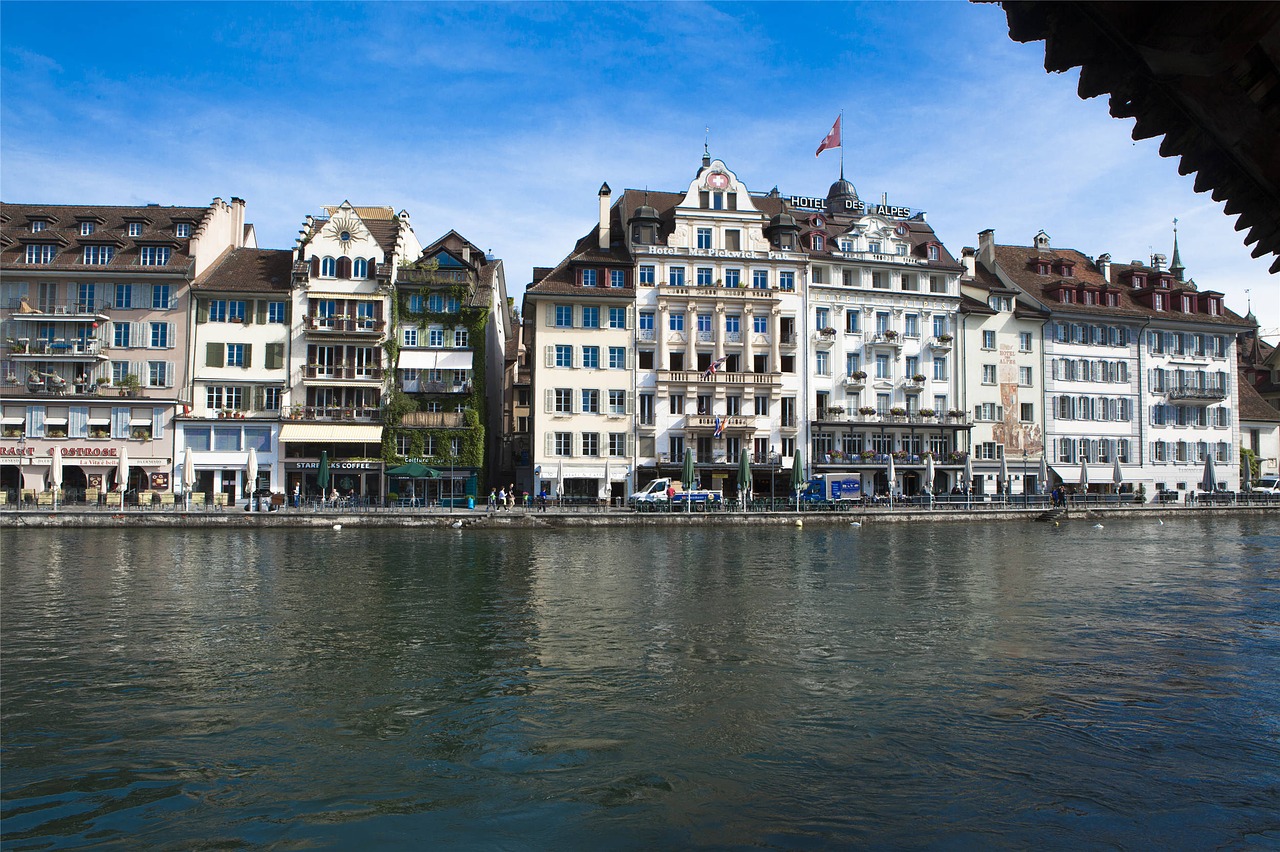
pixel 841 144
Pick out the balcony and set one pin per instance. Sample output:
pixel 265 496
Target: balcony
pixel 436 387
pixel 789 338
pixel 435 419
pixel 1196 395
pixel 340 373
pixel 886 338
pixel 719 378
pixel 732 422
pixel 941 343
pixel 76 312
pixel 824 338
pixel 855 381
pixel 645 334
pixel 22 348
pixel 340 325
pixel 912 385
pixel 356 414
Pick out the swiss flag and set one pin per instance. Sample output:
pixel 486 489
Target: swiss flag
pixel 832 139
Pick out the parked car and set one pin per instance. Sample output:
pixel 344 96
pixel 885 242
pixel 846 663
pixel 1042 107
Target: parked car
pixel 1266 485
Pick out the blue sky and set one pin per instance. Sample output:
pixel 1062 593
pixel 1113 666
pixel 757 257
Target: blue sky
pixel 502 121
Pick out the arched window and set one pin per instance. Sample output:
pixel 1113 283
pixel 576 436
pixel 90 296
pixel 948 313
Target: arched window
pixel 328 268
pixel 360 268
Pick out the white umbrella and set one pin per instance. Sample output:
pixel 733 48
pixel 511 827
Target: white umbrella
pixel 1044 472
pixel 1117 475
pixel 55 473
pixel 1005 487
pixel 891 475
pixel 251 473
pixel 928 473
pixel 122 470
pixel 967 477
pixel 1084 476
pixel 188 475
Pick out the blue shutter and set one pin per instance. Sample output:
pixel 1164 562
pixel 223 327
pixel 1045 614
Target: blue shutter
pixel 78 421
pixel 120 423
pixel 157 423
pixel 35 421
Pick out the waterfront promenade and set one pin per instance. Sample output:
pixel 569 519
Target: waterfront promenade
pixel 321 515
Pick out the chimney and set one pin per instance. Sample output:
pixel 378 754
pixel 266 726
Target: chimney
pixel 237 222
pixel 1157 262
pixel 466 253
pixel 987 247
pixel 605 195
pixel 1104 267
pixel 969 259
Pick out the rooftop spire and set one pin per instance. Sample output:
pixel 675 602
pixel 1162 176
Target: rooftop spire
pixel 1175 266
pixel 706 149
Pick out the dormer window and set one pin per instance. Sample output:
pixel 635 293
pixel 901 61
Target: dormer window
pixel 86 228
pixel 1186 305
pixel 1064 296
pixel 1214 307
pixel 38 225
pixel 818 242
pixel 182 229
pixel 135 229
pixel 41 252
pixel 589 278
pixel 1157 301
pixel 1043 267
pixel 1139 280
pixel 933 252
pixel 1088 297
pixel 1112 299
pixel 1066 269
pixel 846 245
pixel 873 247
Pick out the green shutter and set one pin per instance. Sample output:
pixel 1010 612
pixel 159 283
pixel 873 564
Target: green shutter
pixel 275 356
pixel 248 355
pixel 213 354
pixel 262 310
pixel 202 310
pixel 259 399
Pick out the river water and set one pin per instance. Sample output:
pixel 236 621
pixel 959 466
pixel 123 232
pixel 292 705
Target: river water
pixel 949 685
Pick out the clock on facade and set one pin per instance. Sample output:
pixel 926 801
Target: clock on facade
pixel 717 180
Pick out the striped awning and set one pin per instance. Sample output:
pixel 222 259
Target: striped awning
pixel 335 433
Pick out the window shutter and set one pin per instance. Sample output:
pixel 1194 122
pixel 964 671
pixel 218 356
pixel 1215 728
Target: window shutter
pixel 550 355
pixel 120 423
pixel 549 396
pixel 213 354
pixel 275 356
pixel 999 412
pixel 551 316
pixel 631 359
pixel 202 310
pixel 371 270
pixel 549 443
pixel 315 267
pixel 261 310
pixel 344 267
pixel 631 402
pixel 168 373
pixel 259 398
pixel 138 336
pixel 631 317
pixel 977 412
pixel 157 424
pixel 169 335
pixel 78 421
pixel 248 355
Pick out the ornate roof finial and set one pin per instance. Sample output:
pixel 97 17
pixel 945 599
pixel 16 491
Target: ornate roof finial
pixel 706 149
pixel 1175 266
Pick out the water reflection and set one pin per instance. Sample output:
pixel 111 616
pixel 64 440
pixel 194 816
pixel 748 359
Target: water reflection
pixel 895 685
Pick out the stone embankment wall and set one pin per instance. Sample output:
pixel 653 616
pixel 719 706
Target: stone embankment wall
pixel 557 519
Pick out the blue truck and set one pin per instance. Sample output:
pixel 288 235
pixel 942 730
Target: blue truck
pixel 832 488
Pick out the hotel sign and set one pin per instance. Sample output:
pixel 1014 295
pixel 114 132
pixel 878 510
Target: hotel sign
pixel 806 202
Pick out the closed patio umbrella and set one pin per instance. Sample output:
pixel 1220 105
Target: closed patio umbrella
pixel 687 475
pixel 1117 475
pixel 928 474
pixel 1246 476
pixel 322 474
pixel 1044 472
pixel 1210 480
pixel 1005 486
pixel 797 475
pixel 744 477
pixel 1084 476
pixel 188 476
pixel 122 470
pixel 891 474
pixel 251 473
pixel 55 473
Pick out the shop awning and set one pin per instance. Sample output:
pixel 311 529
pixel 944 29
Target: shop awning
pixel 336 433
pixel 418 359
pixel 99 421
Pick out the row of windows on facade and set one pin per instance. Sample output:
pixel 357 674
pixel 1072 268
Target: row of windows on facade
pixel 587 401
pixel 436 337
pixel 676 406
pixel 437 303
pixel 878 444
pixel 617 444
pixel 1186 303
pixel 1108 450
pixel 82 421
pixel 98 255
pixel 133 229
pixel 763 451
pixel 343 267
pixel 85 297
pixel 732 278
pixel 241 311
pixel 432 446
pixel 731 238
pixel 1158 342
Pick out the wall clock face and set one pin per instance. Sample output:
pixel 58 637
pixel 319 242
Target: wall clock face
pixel 349 229
pixel 717 180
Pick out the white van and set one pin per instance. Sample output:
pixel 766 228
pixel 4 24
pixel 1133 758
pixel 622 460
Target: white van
pixel 1266 485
